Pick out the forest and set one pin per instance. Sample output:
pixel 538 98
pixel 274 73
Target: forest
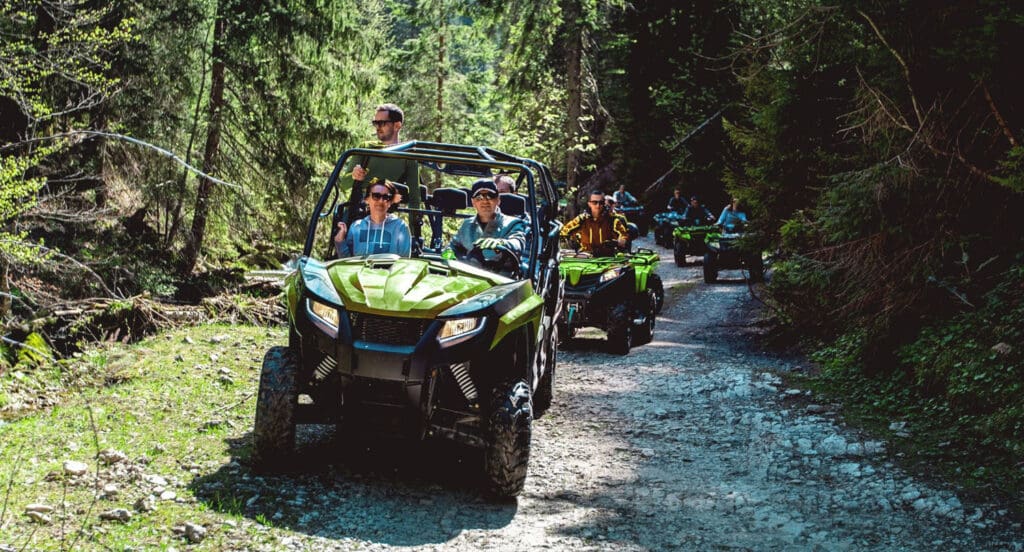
pixel 152 152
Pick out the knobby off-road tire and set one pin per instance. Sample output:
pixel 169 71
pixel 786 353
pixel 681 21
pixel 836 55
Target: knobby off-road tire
pixel 755 267
pixel 679 253
pixel 645 331
pixel 509 430
pixel 654 284
pixel 545 394
pixel 274 430
pixel 620 332
pixel 710 270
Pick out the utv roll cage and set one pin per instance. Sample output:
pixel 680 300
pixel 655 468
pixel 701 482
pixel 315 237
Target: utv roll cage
pixel 454 160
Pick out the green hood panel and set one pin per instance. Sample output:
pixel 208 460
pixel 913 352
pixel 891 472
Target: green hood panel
pixel 573 269
pixel 405 287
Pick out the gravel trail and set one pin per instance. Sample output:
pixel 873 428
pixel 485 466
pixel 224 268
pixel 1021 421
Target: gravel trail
pixel 688 443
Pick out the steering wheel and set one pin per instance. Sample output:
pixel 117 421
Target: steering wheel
pixel 500 259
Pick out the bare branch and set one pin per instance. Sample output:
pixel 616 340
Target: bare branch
pixel 903 64
pixel 999 117
pixel 10 341
pixel 67 258
pixel 136 141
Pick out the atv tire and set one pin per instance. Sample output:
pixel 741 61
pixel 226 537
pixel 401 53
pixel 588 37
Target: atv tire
pixel 508 441
pixel 274 430
pixel 654 284
pixel 755 267
pixel 710 270
pixel 545 394
pixel 620 333
pixel 679 253
pixel 645 331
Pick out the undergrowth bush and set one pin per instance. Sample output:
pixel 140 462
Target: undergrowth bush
pixel 973 363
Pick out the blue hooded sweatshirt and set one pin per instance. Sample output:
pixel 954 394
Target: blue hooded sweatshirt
pixel 367 238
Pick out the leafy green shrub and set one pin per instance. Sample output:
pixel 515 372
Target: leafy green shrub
pixel 974 364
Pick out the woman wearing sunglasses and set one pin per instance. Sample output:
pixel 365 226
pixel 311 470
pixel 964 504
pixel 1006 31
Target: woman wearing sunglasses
pixel 378 232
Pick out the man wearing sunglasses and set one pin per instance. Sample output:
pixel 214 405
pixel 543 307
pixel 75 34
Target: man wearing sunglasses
pixel 378 232
pixel 490 228
pixel 387 123
pixel 597 226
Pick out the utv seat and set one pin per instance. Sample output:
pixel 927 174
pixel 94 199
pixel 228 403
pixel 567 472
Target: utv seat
pixel 514 205
pixel 448 201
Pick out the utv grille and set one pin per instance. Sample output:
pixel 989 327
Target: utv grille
pixel 387 330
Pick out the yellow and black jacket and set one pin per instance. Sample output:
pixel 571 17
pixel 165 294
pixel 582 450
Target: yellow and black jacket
pixel 591 231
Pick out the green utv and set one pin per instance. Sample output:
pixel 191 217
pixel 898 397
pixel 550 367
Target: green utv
pixel 725 251
pixel 619 293
pixel 689 240
pixel 427 345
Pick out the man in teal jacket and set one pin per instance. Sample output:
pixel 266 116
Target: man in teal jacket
pixel 490 228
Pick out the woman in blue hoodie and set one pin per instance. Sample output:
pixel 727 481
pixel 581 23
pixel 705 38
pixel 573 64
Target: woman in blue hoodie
pixel 379 232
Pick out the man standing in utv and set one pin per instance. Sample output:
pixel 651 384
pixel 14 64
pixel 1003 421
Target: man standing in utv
pixel 387 122
pixel 490 228
pixel 597 226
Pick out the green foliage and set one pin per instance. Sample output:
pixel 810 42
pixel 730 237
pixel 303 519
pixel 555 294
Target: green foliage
pixel 974 363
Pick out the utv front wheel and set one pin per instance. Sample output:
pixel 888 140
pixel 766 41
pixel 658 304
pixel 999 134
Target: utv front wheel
pixel 544 396
pixel 274 431
pixel 508 440
pixel 620 333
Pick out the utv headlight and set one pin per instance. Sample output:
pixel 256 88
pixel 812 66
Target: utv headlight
pixel 458 330
pixel 610 275
pixel 325 316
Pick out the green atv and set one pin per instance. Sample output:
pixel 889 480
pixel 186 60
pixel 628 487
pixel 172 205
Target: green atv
pixel 620 294
pixel 725 252
pixel 427 345
pixel 689 240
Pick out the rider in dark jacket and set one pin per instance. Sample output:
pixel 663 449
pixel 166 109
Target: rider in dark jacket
pixel 697 214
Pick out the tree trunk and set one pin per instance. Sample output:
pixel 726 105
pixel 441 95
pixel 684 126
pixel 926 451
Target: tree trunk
pixel 214 113
pixel 574 89
pixel 5 288
pixel 441 72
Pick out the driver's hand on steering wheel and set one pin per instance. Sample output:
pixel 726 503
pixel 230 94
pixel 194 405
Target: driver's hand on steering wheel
pixel 490 243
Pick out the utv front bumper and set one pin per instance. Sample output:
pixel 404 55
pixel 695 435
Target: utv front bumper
pixel 400 375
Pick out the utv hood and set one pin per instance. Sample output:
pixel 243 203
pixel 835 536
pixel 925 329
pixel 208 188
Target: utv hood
pixel 417 288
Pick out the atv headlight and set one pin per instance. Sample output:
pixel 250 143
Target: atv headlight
pixel 458 330
pixel 324 316
pixel 611 274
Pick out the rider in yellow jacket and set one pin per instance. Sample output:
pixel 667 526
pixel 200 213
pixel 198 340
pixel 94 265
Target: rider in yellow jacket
pixel 597 226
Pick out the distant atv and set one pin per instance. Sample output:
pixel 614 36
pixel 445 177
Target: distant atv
pixel 664 224
pixel 689 240
pixel 634 212
pixel 724 253
pixel 619 294
pixel 427 346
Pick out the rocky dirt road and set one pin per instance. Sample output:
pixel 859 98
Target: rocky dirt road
pixel 688 443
